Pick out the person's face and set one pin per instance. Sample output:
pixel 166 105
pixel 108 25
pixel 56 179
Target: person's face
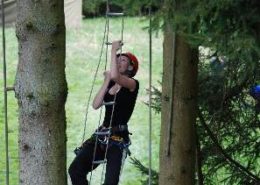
pixel 122 63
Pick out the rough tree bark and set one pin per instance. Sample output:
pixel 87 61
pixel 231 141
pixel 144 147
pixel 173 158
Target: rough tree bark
pixel 177 145
pixel 41 90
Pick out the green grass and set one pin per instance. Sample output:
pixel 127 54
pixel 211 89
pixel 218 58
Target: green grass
pixel 82 53
pixel 12 58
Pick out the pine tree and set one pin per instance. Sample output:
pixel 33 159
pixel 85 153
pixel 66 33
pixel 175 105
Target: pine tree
pixel 41 91
pixel 227 125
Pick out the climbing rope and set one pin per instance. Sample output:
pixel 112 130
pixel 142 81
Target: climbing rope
pixel 5 94
pixel 113 108
pixel 107 144
pixel 95 77
pixel 150 97
pixel 105 37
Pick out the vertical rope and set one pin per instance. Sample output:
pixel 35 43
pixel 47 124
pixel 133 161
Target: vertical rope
pixel 150 97
pixel 5 95
pixel 95 147
pixel 93 83
pixel 107 28
pixel 111 118
pixel 110 125
pixel 106 37
pixel 170 124
pixel 122 30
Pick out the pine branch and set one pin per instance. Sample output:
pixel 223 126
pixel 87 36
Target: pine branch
pixel 199 159
pixel 227 157
pixel 234 91
pixel 145 170
pixel 156 99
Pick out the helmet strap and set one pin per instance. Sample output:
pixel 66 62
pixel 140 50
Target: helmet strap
pixel 130 68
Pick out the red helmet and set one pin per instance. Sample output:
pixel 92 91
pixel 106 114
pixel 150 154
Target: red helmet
pixel 134 62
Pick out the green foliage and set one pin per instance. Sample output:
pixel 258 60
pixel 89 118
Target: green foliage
pixel 137 7
pixel 145 171
pixel 129 7
pixel 11 58
pixel 93 7
pixel 228 111
pixel 229 29
pixel 155 98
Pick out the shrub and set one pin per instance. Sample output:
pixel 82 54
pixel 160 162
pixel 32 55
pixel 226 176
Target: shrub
pixel 92 8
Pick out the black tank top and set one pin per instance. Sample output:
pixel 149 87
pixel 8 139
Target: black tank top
pixel 124 105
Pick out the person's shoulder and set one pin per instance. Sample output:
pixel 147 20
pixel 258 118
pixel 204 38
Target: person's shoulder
pixel 135 79
pixel 137 83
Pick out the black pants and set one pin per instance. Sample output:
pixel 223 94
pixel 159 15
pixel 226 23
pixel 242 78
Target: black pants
pixel 82 164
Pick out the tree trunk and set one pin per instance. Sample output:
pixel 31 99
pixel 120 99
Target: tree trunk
pixel 177 145
pixel 41 90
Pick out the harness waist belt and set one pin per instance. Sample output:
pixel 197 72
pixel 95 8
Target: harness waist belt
pixel 120 128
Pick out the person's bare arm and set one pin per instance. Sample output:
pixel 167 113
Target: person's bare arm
pixel 115 75
pixel 99 98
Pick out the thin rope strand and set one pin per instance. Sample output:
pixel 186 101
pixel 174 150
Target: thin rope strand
pixel 93 83
pixel 96 138
pixel 5 95
pixel 110 124
pixel 121 49
pixel 111 118
pixel 106 36
pixel 122 30
pixel 95 147
pixel 150 97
